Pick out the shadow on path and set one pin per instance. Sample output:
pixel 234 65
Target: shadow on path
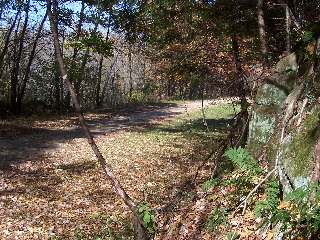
pixel 37 141
pixel 34 142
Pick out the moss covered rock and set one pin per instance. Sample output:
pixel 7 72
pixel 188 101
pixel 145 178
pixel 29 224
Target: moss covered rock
pixel 285 123
pixel 269 98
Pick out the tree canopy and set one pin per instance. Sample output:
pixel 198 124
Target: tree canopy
pixel 120 52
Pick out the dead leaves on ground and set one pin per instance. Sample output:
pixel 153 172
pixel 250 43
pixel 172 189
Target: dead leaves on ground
pixel 63 193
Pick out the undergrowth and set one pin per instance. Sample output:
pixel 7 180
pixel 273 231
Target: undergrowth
pixel 297 216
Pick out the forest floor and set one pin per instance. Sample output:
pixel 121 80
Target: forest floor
pixel 51 186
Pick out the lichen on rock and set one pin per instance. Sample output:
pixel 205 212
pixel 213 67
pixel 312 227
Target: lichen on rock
pixel 285 122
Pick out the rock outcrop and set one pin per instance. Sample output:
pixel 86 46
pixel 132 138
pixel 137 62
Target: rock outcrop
pixel 284 128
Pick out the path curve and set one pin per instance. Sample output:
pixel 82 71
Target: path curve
pixel 43 141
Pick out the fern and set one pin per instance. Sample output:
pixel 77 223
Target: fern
pixel 243 160
pixel 272 200
pixel 207 185
pixel 217 219
pixel 246 170
pixel 299 213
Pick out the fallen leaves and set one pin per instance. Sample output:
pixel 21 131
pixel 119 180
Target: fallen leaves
pixel 61 192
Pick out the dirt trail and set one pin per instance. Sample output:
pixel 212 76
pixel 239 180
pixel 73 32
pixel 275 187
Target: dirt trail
pixel 45 140
pixel 50 182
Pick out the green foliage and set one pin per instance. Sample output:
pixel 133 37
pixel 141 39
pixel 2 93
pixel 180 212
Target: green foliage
pixel 233 236
pixel 207 185
pixel 108 229
pixel 312 32
pixel 217 219
pixel 265 207
pixel 140 95
pixel 95 41
pixel 243 160
pixel 149 219
pixel 302 214
pixel 298 215
pixel 247 170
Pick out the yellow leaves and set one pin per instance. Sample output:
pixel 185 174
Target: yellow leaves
pixel 286 205
pixel 270 235
pixel 21 198
pixel 310 48
pixel 294 211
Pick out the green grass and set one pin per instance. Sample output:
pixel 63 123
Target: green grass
pixel 165 154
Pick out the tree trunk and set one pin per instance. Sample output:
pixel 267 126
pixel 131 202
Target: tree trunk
pixel 119 190
pixel 27 72
pixel 17 61
pixel 241 91
pixel 77 84
pixel 130 71
pixel 98 99
pixel 288 28
pixel 2 6
pixel 236 53
pixel 76 49
pixel 58 104
pixel 98 86
pixel 262 35
pixel 7 40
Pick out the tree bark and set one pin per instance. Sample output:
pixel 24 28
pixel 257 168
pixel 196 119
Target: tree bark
pixel 119 190
pixel 7 40
pixel 98 86
pixel 288 28
pixel 77 82
pixel 241 91
pixel 16 64
pixel 236 53
pixel 262 35
pixel 31 58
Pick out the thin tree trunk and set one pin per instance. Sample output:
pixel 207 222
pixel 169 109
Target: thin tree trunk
pixel 2 6
pixel 236 53
pixel 106 167
pixel 76 49
pixel 1 10
pixel 57 88
pixel 79 80
pixel 7 40
pixel 292 14
pixel 98 97
pixel 130 71
pixel 16 64
pixel 241 91
pixel 31 58
pixel 262 35
pixel 79 29
pixel 288 28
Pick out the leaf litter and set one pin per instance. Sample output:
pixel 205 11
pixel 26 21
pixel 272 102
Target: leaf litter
pixel 62 193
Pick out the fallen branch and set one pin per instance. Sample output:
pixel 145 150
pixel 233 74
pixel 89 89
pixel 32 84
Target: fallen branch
pixel 245 201
pixel 141 231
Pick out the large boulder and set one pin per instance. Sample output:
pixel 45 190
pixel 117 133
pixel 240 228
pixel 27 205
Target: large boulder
pixel 270 96
pixel 285 123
